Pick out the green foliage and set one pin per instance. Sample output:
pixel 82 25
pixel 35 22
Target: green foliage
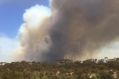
pixel 63 69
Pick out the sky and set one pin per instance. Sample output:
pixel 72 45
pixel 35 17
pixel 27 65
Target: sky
pixel 11 12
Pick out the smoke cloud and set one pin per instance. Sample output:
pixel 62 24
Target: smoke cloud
pixel 73 29
pixel 33 33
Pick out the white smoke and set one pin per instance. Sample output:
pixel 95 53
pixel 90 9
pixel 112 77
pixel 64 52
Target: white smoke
pixel 33 33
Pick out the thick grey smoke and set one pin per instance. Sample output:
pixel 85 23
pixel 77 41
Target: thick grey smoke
pixel 83 26
pixel 76 29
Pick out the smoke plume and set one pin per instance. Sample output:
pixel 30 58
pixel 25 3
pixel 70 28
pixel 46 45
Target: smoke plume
pixel 74 29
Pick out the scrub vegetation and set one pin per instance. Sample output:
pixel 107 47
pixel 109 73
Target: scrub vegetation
pixel 62 69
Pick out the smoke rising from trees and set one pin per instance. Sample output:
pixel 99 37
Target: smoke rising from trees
pixel 74 29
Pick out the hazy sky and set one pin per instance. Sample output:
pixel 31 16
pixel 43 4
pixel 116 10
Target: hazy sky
pixel 11 12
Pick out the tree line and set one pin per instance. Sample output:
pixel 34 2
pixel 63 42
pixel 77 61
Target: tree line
pixel 62 69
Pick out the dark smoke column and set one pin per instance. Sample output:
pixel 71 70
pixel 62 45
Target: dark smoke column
pixel 79 28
